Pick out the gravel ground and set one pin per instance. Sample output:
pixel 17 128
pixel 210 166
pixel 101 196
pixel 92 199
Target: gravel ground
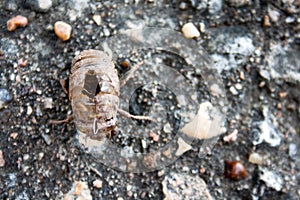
pixel 252 45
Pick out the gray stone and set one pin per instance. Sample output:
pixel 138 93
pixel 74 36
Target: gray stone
pixel 283 62
pixel 265 131
pixel 76 8
pixel 214 6
pixel 293 150
pixel 11 5
pixel 5 97
pixel 230 47
pixel 39 5
pixel 183 186
pixel 271 179
pixel 9 48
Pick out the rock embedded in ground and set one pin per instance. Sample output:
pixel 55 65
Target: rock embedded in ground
pixel 271 178
pixel 184 186
pixel 39 5
pixel 76 8
pixel 17 21
pixel 189 30
pixel 62 30
pixel 283 63
pixel 265 131
pixel 230 47
pixel 214 6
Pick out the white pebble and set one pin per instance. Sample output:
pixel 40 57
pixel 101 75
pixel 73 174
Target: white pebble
pixel 97 19
pixel 189 30
pixel 12 77
pixel 29 110
pixel 233 90
pixel 255 158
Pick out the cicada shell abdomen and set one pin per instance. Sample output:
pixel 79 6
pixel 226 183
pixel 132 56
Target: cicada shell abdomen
pixel 94 93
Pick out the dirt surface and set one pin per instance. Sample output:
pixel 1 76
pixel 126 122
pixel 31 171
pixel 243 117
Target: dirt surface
pixel 253 45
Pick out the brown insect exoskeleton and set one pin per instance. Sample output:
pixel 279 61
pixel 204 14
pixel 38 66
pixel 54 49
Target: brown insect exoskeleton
pixel 94 89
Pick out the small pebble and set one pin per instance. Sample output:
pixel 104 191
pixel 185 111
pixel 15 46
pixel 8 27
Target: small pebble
pixel 22 62
pixel 26 156
pixel 62 30
pixel 183 5
pixel 144 144
pixel 255 158
pixel 266 21
pixel 293 150
pixel 273 14
pixel 5 97
pixel 202 27
pixel 48 103
pixel 12 77
pixel 167 128
pixel 17 21
pixel 265 74
pixel 238 86
pixel 97 19
pixel 160 173
pixel 97 183
pixel 289 20
pixel 46 138
pixel 231 137
pixel 2 161
pixel 41 155
pixel 189 30
pixel 154 136
pixel 233 90
pixel 106 32
pixel 14 135
pixel 29 110
pixel 282 94
pixel 235 170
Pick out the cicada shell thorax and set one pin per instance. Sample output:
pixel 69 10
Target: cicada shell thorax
pixel 94 90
